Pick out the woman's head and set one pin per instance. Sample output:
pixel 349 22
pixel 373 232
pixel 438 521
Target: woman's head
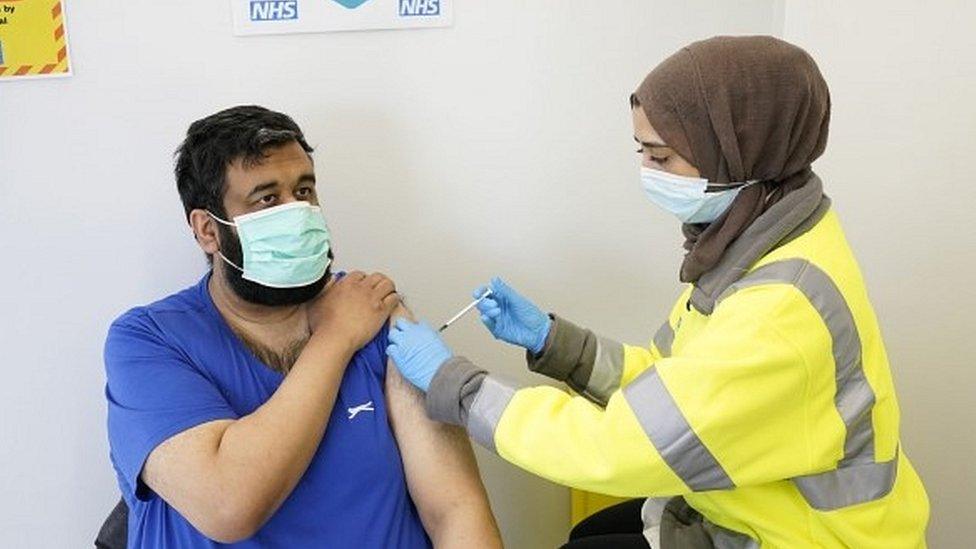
pixel 732 109
pixel 728 110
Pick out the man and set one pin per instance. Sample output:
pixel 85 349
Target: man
pixel 256 409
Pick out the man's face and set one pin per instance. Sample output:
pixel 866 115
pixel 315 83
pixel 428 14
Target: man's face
pixel 285 175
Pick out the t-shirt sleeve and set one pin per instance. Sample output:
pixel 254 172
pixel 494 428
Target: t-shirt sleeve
pixel 154 392
pixel 378 347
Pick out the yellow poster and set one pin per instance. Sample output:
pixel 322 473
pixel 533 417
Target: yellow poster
pixel 32 39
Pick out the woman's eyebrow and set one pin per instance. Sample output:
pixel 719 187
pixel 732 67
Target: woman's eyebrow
pixel 651 145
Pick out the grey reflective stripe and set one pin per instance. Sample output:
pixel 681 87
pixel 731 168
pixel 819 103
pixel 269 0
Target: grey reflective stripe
pixel 854 398
pixel 850 485
pixel 664 338
pixel 858 478
pixel 672 436
pixel 608 370
pixel 487 409
pixel 723 538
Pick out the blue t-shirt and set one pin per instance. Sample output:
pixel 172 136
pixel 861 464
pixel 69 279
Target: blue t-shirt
pixel 176 364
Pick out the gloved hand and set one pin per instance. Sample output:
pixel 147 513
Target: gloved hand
pixel 512 318
pixel 418 351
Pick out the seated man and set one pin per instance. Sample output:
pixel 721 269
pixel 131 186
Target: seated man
pixel 256 408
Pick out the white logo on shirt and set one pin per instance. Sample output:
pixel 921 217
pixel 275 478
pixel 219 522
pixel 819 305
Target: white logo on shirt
pixel 353 412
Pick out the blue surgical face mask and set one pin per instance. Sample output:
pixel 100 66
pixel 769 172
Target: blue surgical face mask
pixel 691 199
pixel 285 246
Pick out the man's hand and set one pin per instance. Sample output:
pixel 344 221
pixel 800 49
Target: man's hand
pixel 354 308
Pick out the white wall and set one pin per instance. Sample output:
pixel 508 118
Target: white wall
pixel 899 167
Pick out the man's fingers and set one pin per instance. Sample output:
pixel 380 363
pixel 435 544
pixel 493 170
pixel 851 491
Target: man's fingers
pixel 390 302
pixel 384 288
pixel 376 279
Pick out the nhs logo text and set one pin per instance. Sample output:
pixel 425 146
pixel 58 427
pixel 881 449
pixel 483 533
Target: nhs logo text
pixel 273 10
pixel 411 8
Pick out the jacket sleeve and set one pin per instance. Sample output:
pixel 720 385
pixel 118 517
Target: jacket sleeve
pixel 596 366
pixel 735 408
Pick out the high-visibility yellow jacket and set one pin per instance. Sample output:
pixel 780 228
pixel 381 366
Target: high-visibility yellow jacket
pixel 767 403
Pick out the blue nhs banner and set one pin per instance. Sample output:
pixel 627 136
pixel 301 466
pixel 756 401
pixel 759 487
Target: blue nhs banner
pixel 423 8
pixel 258 17
pixel 273 10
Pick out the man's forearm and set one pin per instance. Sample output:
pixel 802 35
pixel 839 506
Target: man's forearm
pixel 262 456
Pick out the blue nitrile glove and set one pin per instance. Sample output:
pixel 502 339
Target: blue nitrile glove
pixel 417 351
pixel 512 318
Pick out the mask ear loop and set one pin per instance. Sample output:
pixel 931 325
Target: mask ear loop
pixel 719 187
pixel 220 253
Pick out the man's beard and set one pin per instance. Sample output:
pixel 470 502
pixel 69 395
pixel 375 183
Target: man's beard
pixel 260 294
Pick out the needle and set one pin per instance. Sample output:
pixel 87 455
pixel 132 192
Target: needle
pixel 465 310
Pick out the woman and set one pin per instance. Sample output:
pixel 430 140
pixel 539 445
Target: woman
pixel 765 400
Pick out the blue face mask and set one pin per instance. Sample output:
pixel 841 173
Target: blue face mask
pixel 285 246
pixel 691 199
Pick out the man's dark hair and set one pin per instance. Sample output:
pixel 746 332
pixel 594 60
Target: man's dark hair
pixel 213 143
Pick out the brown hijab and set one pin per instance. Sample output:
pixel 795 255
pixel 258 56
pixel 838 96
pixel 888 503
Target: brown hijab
pixel 739 108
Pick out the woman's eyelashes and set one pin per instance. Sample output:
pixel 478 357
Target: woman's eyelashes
pixel 656 159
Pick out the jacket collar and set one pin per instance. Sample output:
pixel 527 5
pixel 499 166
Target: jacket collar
pixel 785 220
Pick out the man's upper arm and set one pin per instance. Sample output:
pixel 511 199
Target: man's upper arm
pixel 153 394
pixel 434 455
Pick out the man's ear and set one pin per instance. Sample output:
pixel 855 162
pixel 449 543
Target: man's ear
pixel 205 231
